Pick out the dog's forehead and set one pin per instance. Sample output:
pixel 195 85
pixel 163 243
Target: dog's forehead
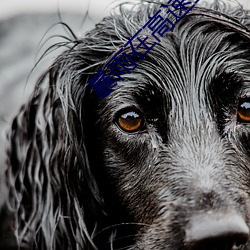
pixel 190 59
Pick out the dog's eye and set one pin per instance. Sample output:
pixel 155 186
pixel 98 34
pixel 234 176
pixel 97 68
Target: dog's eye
pixel 243 113
pixel 130 121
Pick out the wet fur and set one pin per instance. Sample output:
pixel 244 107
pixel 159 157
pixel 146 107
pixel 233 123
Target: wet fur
pixel 78 182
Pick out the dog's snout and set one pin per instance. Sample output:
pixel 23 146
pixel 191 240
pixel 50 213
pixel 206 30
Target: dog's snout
pixel 217 232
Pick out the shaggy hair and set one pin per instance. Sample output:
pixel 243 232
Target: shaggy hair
pixel 77 180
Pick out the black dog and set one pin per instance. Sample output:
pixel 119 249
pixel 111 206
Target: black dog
pixel 161 163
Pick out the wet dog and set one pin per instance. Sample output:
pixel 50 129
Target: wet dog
pixel 160 163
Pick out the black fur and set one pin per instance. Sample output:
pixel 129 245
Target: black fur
pixel 77 181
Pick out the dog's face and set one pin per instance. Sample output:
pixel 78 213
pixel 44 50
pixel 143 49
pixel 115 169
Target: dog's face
pixel 174 139
pixel 161 163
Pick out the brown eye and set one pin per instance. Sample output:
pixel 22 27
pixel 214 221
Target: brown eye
pixel 243 113
pixel 130 121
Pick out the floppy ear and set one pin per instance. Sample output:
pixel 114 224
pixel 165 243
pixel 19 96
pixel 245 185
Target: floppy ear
pixel 53 196
pixel 51 186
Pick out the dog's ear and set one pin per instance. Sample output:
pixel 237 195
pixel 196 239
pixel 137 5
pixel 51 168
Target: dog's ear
pixel 54 198
pixel 51 186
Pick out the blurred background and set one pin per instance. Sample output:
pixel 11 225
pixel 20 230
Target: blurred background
pixel 25 26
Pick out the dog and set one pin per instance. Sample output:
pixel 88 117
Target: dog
pixel 160 163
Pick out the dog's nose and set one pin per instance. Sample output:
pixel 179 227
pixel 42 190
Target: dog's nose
pixel 217 232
